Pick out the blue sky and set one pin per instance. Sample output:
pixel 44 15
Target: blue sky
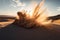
pixel 10 7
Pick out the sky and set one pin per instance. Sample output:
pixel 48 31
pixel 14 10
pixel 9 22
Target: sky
pixel 11 7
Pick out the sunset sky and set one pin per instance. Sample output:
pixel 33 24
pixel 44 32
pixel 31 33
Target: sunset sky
pixel 10 7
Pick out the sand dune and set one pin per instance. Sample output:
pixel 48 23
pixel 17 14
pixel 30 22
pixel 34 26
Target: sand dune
pixel 4 24
pixel 6 20
pixel 7 17
pixel 13 32
pixel 57 22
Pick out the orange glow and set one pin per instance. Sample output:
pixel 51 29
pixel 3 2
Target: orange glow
pixel 38 15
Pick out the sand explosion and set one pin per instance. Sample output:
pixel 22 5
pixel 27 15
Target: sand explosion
pixel 35 18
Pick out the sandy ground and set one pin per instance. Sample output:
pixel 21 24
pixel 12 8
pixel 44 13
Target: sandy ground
pixel 3 24
pixel 13 32
pixel 56 22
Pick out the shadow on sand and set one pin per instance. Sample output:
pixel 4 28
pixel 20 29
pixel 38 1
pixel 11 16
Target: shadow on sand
pixel 14 32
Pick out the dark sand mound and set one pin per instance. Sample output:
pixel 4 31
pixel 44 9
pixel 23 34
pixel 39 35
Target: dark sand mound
pixel 53 18
pixel 13 32
pixel 6 20
pixel 7 17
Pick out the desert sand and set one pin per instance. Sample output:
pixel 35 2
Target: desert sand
pixel 14 32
